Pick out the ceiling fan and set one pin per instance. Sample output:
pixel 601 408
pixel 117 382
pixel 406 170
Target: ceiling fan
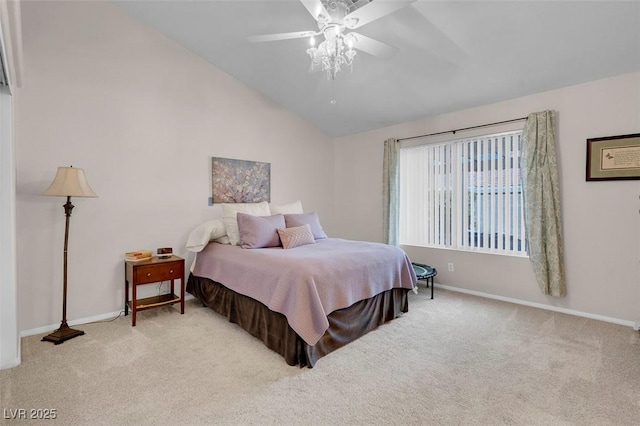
pixel 336 19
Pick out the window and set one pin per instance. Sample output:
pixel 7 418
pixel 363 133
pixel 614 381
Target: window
pixel 464 194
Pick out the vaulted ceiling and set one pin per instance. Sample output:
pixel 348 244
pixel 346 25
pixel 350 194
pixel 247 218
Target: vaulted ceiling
pixel 448 55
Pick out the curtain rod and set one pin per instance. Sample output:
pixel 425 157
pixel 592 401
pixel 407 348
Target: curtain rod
pixel 464 128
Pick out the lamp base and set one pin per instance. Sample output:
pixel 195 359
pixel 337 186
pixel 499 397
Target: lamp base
pixel 62 334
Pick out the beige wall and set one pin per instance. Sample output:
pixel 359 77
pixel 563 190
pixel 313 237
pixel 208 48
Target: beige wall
pixel 601 220
pixel 143 117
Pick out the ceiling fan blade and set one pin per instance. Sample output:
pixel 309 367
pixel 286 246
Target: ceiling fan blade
pixel 373 11
pixel 373 47
pixel 282 36
pixel 316 9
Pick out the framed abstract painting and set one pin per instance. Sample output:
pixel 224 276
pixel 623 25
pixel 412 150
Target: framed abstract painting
pixel 240 181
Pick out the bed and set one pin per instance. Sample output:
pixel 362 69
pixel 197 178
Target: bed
pixel 273 271
pixel 308 301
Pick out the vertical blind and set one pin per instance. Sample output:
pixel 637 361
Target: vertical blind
pixel 463 194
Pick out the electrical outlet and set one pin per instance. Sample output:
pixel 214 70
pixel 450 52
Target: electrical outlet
pixel 450 266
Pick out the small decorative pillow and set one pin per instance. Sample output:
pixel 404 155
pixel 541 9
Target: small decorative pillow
pixel 296 236
pixel 306 218
pixel 259 231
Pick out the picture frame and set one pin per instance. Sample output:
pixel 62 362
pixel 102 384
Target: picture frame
pixel 613 158
pixel 239 181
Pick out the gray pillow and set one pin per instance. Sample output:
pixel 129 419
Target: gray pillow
pixel 259 231
pixel 311 219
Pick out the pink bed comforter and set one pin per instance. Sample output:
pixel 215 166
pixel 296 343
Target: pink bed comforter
pixel 307 283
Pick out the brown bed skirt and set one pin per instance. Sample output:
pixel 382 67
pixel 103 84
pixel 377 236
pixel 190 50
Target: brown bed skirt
pixel 345 325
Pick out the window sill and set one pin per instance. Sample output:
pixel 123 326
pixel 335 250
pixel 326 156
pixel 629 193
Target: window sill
pixel 470 250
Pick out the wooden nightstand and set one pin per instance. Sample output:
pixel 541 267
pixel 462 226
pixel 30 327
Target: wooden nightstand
pixel 152 271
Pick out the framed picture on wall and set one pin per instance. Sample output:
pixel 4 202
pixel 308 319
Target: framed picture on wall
pixel 240 181
pixel 613 157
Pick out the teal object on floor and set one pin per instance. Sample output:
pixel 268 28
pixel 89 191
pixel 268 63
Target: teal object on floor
pixel 426 273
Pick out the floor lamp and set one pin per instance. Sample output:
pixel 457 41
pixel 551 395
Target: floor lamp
pixel 69 182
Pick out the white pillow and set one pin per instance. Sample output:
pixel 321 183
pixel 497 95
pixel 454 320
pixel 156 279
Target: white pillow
pixel 256 209
pixel 291 208
pixel 230 212
pixel 223 240
pixel 202 234
pixel 233 232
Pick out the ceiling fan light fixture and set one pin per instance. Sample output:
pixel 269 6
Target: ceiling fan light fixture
pixel 333 53
pixel 350 39
pixel 333 17
pixel 351 22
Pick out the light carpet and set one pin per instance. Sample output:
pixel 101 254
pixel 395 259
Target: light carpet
pixel 454 360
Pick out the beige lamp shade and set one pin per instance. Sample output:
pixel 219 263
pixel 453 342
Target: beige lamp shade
pixel 70 182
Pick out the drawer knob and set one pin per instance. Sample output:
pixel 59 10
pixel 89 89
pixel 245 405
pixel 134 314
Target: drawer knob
pixel 171 271
pixel 148 274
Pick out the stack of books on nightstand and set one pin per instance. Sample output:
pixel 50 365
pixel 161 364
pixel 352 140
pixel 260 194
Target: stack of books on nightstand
pixel 138 255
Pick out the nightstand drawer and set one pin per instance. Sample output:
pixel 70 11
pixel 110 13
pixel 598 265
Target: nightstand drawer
pixel 158 272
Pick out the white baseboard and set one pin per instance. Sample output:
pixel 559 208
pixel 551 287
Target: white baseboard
pixel 636 325
pixel 48 328
pixel 101 317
